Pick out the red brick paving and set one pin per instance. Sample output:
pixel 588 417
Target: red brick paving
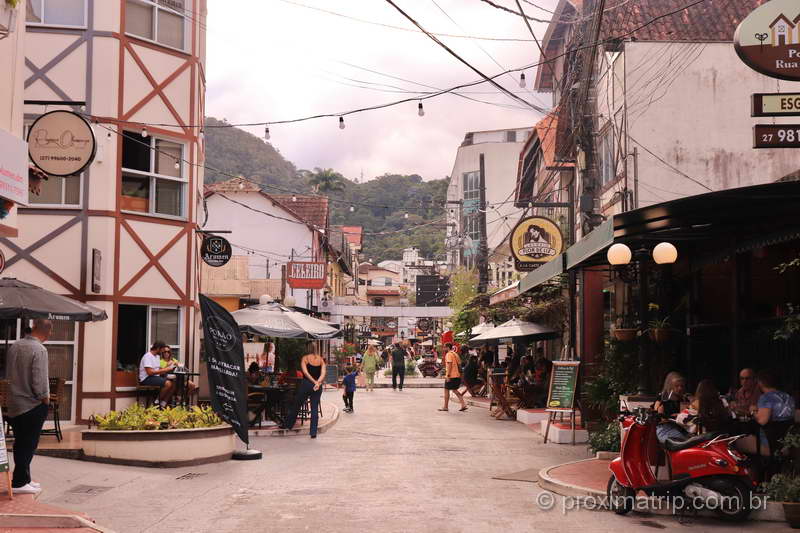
pixel 592 474
pixel 26 504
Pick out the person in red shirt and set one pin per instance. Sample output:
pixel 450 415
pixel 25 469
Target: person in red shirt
pixel 452 377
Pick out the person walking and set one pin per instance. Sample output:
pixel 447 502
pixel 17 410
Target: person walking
pixel 452 377
pixel 28 401
pixel 313 368
pixel 369 365
pixel 349 382
pixel 398 365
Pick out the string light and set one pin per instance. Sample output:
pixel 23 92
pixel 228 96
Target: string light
pixel 405 216
pixel 294 198
pixel 522 80
pixel 341 123
pixel 177 164
pixel 144 133
pixel 352 208
pixel 266 133
pixel 420 110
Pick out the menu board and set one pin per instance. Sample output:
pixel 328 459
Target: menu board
pixel 563 383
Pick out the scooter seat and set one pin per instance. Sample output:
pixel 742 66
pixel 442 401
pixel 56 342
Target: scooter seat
pixel 675 445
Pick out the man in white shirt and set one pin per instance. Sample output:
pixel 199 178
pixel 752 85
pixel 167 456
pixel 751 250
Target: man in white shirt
pixel 151 373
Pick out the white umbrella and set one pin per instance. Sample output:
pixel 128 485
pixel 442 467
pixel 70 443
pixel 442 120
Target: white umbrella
pixel 517 328
pixel 481 328
pixel 275 320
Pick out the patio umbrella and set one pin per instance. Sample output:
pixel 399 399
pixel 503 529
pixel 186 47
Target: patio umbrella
pixel 517 328
pixel 274 320
pixel 481 328
pixel 23 300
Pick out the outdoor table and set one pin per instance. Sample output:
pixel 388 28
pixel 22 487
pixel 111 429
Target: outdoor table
pixel 182 385
pixel 274 399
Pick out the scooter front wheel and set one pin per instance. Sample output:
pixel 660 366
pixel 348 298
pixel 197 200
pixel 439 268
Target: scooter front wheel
pixel 620 498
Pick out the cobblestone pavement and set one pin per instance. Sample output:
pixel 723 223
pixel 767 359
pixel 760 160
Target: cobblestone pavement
pixel 396 464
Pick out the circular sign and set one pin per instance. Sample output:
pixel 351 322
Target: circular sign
pixel 534 241
pixel 424 324
pixel 222 335
pixel 216 251
pixel 2 261
pixel 61 143
pixel 768 42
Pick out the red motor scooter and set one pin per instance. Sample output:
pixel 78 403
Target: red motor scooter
pixel 704 471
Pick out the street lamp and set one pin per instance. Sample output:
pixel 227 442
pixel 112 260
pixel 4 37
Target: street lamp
pixel 663 254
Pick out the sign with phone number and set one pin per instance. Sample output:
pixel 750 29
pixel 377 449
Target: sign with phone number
pixel 776 136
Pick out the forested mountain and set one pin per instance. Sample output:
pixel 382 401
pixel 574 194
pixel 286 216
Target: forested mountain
pixel 378 205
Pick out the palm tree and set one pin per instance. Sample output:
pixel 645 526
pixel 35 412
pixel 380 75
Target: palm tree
pixel 325 180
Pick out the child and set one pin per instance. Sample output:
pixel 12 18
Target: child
pixel 349 382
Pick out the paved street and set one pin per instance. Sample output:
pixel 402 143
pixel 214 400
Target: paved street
pixel 397 464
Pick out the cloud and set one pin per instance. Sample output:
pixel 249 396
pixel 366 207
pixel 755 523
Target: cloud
pixel 270 60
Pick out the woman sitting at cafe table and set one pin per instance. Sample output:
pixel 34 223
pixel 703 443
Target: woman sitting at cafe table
pixel 168 360
pixel 774 407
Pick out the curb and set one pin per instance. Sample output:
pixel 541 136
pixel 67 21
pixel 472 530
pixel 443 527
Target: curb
pixel 303 430
pixel 54 521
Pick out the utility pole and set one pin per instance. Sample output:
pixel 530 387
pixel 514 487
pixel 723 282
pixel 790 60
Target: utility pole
pixel 483 246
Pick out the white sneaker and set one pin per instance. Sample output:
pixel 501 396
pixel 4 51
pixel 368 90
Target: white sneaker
pixel 35 484
pixel 27 489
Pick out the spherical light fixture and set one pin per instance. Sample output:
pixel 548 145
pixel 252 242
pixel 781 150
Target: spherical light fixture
pixel 665 253
pixel 265 299
pixel 289 301
pixel 619 254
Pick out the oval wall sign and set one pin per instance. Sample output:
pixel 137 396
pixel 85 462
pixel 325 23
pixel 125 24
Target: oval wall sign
pixel 61 143
pixel 216 251
pixel 535 241
pixel 768 40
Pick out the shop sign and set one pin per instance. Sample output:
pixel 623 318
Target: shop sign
pixel 768 41
pixel 424 325
pixel 61 143
pixel 216 251
pixel 776 105
pixel 535 241
pixel 563 385
pixel 306 274
pixel 13 168
pixel 776 136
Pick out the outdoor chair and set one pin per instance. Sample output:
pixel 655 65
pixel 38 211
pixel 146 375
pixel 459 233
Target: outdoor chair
pixel 148 392
pixel 56 396
pixel 775 431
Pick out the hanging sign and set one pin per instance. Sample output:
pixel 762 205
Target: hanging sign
pixel 776 136
pixel 535 241
pixel 61 143
pixel 776 105
pixel 224 355
pixel 2 262
pixel 216 251
pixel 306 275
pixel 563 385
pixel 768 41
pixel 13 168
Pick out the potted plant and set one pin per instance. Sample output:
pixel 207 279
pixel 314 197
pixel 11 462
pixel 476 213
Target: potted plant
pixel 659 329
pixel 785 489
pixel 624 328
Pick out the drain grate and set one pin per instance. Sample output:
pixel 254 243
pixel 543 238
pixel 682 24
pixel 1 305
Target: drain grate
pixel 88 489
pixel 191 475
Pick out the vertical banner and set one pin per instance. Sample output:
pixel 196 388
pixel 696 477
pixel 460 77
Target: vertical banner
pixel 225 359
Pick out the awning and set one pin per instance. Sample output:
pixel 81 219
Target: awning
pixel 515 328
pixel 543 274
pixel 504 294
pixel 601 238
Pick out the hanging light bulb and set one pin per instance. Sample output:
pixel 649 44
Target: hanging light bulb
pixel 405 216
pixel 420 110
pixel 144 133
pixel 266 133
pixel 341 123
pixel 530 205
pixel 177 164
pixel 522 80
pixel 352 208
pixel 241 185
pixel 294 198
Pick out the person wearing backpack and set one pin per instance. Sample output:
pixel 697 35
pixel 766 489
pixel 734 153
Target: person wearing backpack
pixel 398 365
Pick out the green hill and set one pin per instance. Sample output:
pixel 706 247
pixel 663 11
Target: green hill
pixel 379 205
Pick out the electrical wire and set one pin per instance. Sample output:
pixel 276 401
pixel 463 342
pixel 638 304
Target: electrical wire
pixel 668 164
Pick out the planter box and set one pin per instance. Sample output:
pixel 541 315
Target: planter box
pixel 625 334
pixel 168 448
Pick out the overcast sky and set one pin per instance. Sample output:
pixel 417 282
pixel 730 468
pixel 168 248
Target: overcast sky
pixel 275 60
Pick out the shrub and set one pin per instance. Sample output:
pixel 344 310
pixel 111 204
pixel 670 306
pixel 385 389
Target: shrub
pixel 605 440
pixel 139 418
pixel 782 488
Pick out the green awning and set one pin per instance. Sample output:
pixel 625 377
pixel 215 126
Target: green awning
pixel 597 240
pixel 544 273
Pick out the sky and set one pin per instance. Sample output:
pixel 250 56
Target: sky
pixel 271 60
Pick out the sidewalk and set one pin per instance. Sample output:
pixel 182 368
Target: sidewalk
pixel 24 513
pixel 418 382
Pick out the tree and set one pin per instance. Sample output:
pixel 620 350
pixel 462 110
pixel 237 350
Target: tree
pixel 324 180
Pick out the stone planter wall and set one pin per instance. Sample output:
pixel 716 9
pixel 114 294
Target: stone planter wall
pixel 163 448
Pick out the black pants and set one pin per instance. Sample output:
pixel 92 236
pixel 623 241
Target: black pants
pixel 348 399
pixel 305 390
pixel 27 427
pixel 398 370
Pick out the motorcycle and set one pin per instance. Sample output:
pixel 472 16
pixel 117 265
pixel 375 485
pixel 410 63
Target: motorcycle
pixel 705 470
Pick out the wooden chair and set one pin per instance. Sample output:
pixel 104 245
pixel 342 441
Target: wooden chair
pixel 56 397
pixel 148 392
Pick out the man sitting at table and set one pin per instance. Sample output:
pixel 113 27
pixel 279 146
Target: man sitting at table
pixel 152 375
pixel 748 394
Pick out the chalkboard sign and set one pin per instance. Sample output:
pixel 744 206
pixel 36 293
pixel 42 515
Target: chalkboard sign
pixel 331 374
pixel 563 382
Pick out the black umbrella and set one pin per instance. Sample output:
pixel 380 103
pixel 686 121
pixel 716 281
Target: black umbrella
pixel 23 300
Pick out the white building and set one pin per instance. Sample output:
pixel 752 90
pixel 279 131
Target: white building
pixel 500 150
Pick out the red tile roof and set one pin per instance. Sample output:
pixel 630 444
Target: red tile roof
pixel 353 234
pixel 708 21
pixel 312 209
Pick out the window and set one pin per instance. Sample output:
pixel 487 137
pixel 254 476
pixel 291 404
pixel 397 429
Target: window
pixel 56 13
pixel 152 175
pixel 139 326
pixel 162 21
pixel 608 169
pixel 472 184
pixel 511 136
pixel 57 191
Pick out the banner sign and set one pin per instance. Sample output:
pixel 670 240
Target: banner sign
pixel 13 168
pixel 306 275
pixel 225 359
pixel 563 384
pixel 768 40
pixel 61 143
pixel 535 241
pixel 216 251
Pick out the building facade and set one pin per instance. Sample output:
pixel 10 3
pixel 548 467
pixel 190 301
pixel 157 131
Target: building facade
pixel 121 234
